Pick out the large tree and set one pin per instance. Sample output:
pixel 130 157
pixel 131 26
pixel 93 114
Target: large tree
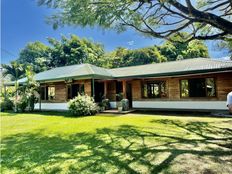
pixel 168 51
pixel 74 50
pixel 176 49
pixel 203 19
pixel 35 54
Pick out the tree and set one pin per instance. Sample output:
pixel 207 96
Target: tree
pixel 206 19
pixel 123 57
pixel 73 50
pixel 15 71
pixel 227 44
pixel 35 54
pixel 177 50
pixel 31 89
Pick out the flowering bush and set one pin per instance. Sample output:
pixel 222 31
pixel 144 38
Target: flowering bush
pixel 82 105
pixel 6 104
pixel 20 103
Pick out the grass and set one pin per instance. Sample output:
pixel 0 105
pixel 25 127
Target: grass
pixel 52 142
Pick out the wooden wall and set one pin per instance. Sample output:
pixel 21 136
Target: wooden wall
pixel 223 87
pixel 223 83
pixel 61 90
pixel 111 90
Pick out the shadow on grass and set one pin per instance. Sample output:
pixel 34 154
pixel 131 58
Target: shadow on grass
pixel 125 149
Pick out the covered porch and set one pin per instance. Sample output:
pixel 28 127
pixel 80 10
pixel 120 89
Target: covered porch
pixel 110 89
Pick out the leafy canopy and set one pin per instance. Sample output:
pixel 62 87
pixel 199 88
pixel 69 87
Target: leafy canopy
pixel 204 19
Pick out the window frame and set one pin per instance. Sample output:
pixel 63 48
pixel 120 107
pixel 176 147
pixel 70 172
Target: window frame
pixel 51 86
pixel 210 97
pixel 45 91
pixel 159 82
pixel 80 85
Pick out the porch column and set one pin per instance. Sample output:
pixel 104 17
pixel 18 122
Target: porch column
pixel 39 97
pixel 124 88
pixel 105 89
pixel 5 91
pixel 93 89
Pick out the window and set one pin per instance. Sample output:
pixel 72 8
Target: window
pixel 43 93
pixel 198 87
pixel 154 89
pixel 47 93
pixel 74 89
pixel 51 92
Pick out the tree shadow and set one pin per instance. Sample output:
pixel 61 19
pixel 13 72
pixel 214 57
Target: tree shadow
pixel 124 149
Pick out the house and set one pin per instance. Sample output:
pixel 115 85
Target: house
pixel 191 84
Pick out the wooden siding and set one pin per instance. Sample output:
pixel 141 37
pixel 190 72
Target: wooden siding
pixel 111 90
pixel 223 83
pixel 61 90
pixel 136 90
pixel 87 85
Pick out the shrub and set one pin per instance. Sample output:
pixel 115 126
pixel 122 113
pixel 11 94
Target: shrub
pixel 106 103
pixel 6 104
pixel 82 105
pixel 20 103
pixel 125 104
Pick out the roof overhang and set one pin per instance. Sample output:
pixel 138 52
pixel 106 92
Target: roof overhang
pixel 176 74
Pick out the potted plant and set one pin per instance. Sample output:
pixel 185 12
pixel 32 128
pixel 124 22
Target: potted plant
pixel 106 103
pixel 101 106
pixel 125 104
pixel 119 98
pixel 120 106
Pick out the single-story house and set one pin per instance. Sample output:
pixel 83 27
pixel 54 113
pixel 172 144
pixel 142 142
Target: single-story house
pixel 191 84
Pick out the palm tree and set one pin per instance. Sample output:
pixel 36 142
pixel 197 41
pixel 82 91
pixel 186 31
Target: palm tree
pixel 14 71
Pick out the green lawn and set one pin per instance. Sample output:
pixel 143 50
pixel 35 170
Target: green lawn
pixel 133 143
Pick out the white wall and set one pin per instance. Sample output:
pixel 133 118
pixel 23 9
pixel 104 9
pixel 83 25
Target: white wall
pixel 113 105
pixel 62 106
pixel 52 106
pixel 195 105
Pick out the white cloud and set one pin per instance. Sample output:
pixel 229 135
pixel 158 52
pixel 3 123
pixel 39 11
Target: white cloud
pixel 131 43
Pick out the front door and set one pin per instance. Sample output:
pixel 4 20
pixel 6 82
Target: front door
pixel 98 91
pixel 129 93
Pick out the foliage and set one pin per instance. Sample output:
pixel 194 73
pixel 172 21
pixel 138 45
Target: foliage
pixel 31 89
pixel 27 94
pixel 75 51
pixel 35 54
pixel 106 103
pixel 82 105
pixel 6 98
pixel 179 50
pixel 204 19
pixel 20 103
pixel 125 104
pixel 14 70
pixel 227 44
pixel 6 104
pixel 168 51
pixel 119 96
pixel 67 51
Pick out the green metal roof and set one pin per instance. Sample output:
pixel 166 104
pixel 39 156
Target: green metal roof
pixel 81 71
pixel 187 66
pixel 87 71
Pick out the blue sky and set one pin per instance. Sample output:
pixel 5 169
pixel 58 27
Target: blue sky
pixel 22 21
